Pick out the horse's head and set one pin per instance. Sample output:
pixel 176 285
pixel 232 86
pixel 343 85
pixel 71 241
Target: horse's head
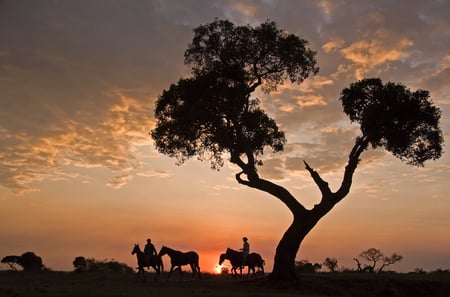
pixel 228 252
pixel 162 251
pixel 222 258
pixel 136 249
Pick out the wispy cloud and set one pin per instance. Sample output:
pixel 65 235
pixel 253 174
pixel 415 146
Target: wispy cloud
pixel 119 181
pixel 365 55
pixel 154 173
pixel 28 158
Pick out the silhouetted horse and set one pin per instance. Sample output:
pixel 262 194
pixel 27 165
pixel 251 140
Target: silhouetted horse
pixel 178 259
pixel 235 258
pixel 154 261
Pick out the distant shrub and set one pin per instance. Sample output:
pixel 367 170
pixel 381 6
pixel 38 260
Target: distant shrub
pixel 331 264
pixel 304 266
pixel 420 271
pixel 30 262
pixel 440 271
pixel 108 266
pixel 80 264
pixel 11 261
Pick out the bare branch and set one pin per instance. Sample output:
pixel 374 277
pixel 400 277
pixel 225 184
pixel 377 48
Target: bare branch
pixel 323 185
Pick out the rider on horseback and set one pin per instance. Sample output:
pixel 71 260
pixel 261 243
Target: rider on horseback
pixel 149 250
pixel 245 251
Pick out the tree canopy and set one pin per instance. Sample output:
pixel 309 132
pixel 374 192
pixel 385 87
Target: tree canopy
pixel 405 123
pixel 212 113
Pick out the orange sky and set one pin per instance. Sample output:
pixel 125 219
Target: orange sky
pixel 79 175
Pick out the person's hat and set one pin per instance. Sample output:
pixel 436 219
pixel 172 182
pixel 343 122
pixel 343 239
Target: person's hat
pixel 244 238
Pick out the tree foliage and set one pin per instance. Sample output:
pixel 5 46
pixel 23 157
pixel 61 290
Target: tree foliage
pixel 11 261
pixel 331 264
pixel 80 264
pixel 212 113
pixel 405 123
pixel 31 262
pixel 375 256
pixel 304 266
pixel 107 266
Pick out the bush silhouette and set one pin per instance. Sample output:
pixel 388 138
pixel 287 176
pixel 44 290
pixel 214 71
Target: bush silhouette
pixel 30 262
pixel 80 264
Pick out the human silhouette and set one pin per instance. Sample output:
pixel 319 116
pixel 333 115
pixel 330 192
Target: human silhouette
pixel 245 250
pixel 149 249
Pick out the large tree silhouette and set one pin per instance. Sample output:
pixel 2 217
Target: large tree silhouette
pixel 211 115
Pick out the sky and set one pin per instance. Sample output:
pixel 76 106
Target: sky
pixel 80 176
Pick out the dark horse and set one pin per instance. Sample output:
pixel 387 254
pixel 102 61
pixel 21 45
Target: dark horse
pixel 178 259
pixel 154 261
pixel 235 258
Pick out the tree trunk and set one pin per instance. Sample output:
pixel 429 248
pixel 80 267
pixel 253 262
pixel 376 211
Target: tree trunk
pixel 286 252
pixel 304 220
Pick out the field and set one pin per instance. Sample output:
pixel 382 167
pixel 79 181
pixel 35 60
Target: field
pixel 52 284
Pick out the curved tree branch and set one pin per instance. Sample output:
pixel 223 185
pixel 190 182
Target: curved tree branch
pixel 278 191
pixel 361 144
pixel 330 199
pixel 323 185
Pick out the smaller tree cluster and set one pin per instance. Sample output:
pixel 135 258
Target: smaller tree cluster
pixel 331 264
pixel 29 261
pixel 377 261
pixel 375 256
pixel 304 266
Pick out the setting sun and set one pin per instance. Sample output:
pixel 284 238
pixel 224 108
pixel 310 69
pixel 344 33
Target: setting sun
pixel 218 269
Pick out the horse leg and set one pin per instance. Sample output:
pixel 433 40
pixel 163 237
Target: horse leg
pixel 198 270
pixel 137 274
pixel 140 271
pixel 181 273
pixel 253 269
pixel 156 268
pixel 234 271
pixel 170 272
pixel 194 269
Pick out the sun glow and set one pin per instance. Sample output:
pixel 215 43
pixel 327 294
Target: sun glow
pixel 218 269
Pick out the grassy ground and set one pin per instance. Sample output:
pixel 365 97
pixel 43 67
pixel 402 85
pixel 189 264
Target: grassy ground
pixel 52 284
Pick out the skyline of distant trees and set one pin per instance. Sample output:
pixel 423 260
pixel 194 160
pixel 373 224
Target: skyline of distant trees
pixel 372 256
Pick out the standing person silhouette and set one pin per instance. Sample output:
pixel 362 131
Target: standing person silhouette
pixel 245 251
pixel 149 250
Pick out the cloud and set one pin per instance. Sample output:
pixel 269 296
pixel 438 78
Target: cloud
pixel 79 86
pixel 326 153
pixel 119 181
pixel 155 173
pixel 78 81
pixel 28 158
pixel 333 45
pixel 273 168
pixel 368 54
